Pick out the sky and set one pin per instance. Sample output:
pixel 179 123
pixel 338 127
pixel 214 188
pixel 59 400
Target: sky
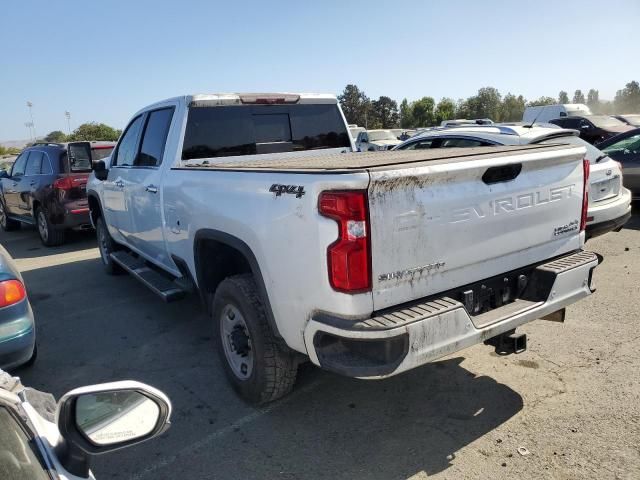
pixel 102 61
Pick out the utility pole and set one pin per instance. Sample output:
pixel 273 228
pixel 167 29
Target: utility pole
pixel 29 125
pixel 30 105
pixel 68 115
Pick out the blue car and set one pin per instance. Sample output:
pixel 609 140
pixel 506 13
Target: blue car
pixel 17 328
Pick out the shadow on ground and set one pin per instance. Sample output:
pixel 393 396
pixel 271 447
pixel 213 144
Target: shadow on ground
pixel 25 243
pixel 96 328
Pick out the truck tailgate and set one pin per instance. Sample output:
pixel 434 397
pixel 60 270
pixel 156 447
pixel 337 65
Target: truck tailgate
pixel 439 225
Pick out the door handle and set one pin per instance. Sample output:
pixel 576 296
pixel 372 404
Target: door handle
pixel 151 189
pixel 119 183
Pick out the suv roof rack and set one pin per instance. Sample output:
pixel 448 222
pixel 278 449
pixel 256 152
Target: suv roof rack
pixel 54 144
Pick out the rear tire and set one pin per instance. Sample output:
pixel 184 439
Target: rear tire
pixel 258 365
pixel 49 234
pixel 107 246
pixel 6 223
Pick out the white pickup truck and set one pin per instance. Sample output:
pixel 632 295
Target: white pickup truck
pixel 368 264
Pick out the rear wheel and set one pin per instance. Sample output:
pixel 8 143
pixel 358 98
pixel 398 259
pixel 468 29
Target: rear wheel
pixel 6 223
pixel 260 367
pixel 107 246
pixel 49 234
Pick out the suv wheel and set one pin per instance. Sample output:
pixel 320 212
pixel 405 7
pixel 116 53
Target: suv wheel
pixel 49 234
pixel 6 223
pixel 260 367
pixel 107 246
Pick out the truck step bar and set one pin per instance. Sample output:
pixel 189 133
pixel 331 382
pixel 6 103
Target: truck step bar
pixel 157 283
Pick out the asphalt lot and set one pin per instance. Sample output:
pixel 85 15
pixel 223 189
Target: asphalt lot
pixel 572 400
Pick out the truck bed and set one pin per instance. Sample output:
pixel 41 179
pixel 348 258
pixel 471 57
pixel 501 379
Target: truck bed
pixel 354 162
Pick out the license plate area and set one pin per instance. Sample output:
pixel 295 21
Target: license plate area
pixel 605 189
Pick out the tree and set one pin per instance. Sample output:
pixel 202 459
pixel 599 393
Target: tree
pixel 57 136
pixel 627 100
pixel 578 96
pixel 563 97
pixel 406 114
pixel 462 109
pixel 385 112
pixel 486 104
pixel 542 101
pixel 94 131
pixel 423 112
pixel 355 105
pixel 593 99
pixel 512 108
pixel 445 110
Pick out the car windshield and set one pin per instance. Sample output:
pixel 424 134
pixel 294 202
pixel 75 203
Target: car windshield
pixel 604 121
pixel 592 152
pixel 378 135
pixel 630 144
pixel 18 460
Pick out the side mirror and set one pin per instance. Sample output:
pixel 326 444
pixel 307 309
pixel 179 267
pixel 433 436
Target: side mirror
pixel 4 174
pixel 102 418
pixel 100 170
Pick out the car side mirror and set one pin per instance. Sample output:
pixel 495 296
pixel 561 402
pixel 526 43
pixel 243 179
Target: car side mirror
pixel 4 174
pixel 101 418
pixel 100 170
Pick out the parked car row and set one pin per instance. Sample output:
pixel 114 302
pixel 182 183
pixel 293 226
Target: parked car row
pixel 46 187
pixel 609 201
pixel 217 193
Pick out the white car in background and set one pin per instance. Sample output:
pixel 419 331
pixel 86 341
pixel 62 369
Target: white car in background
pixel 373 140
pixel 40 440
pixel 609 201
pixel 544 113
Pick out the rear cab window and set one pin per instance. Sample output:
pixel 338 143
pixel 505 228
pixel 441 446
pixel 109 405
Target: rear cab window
pixel 223 131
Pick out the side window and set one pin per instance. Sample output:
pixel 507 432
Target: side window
pixel 46 165
pixel 126 153
pixel 421 145
pixel 19 165
pixel 461 143
pixel 154 138
pixel 34 164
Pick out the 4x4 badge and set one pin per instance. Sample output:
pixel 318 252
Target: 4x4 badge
pixel 297 190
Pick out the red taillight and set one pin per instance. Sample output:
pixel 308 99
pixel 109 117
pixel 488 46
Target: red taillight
pixel 349 257
pixel 585 194
pixel 11 291
pixel 64 183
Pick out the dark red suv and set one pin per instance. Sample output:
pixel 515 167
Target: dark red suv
pixel 46 187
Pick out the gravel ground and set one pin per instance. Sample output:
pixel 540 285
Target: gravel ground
pixel 571 401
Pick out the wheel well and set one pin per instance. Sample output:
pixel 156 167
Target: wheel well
pixel 94 208
pixel 216 261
